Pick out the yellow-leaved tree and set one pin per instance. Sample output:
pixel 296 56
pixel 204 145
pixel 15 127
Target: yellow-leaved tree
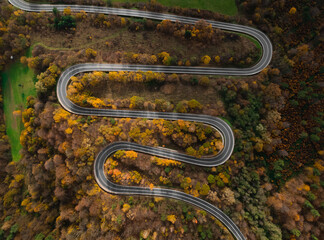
pixel 205 59
pixel 171 218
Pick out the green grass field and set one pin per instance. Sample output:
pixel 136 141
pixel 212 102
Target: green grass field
pixel 17 85
pixel 227 7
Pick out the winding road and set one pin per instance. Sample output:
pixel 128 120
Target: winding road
pixel 217 123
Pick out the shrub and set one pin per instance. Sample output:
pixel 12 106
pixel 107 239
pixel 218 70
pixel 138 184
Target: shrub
pixel 315 213
pixel 295 232
pixel 182 106
pixel 204 81
pixel 292 10
pixel 39 236
pixel 136 102
pixel 163 217
pixel 109 3
pixel 315 138
pixel 204 189
pixel 294 103
pixel 112 121
pixel 211 179
pixel 205 59
pixel 308 204
pixel 64 22
pixel 191 151
pixel 311 196
pixel 304 135
pixel 187 34
pixel 194 105
pixel 90 53
pixel 316 172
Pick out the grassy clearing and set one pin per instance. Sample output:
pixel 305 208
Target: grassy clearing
pixel 17 85
pixel 120 39
pixel 254 41
pixel 227 7
pixel 81 45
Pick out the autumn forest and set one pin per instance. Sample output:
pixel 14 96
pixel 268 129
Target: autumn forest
pixel 272 186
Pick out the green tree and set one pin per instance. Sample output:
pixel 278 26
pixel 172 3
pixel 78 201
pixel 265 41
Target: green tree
pixel 64 22
pixel 211 179
pixel 55 12
pixel 187 34
pixel 304 135
pixel 315 138
pixel 39 236
pixel 204 189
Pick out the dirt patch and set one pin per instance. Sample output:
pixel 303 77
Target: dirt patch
pixel 172 92
pixel 168 89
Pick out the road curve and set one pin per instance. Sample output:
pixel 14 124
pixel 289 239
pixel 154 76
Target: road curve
pixel 99 172
pixel 257 34
pixel 217 123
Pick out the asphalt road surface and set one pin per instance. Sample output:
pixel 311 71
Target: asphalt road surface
pixel 217 123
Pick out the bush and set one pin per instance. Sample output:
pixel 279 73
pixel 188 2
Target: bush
pixel 219 182
pixel 204 190
pixel 182 106
pixel 211 179
pixel 13 231
pixel 315 213
pixel 112 121
pixel 194 81
pixel 163 217
pixel 205 59
pixel 109 3
pixel 304 135
pixel 316 172
pixel 308 204
pixel 39 236
pixel 315 138
pixel 294 103
pixel 187 34
pixel 136 102
pixel 64 22
pixel 204 81
pixel 191 151
pixel 131 200
pixel 295 232
pixel 311 196
pixel 194 105
pixel 90 53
